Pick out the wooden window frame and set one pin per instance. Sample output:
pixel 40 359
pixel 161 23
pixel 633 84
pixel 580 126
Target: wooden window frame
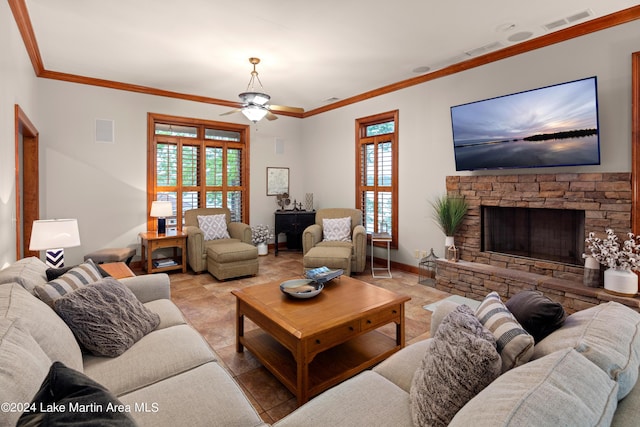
pixel 361 139
pixel 202 142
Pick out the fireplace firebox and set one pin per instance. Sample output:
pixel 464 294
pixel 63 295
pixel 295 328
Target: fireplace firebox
pixel 547 234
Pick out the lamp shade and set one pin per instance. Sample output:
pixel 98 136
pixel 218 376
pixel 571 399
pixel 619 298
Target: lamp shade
pixel 161 209
pixel 54 233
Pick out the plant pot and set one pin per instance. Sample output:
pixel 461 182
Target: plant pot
pixel 620 282
pixel 448 242
pixel 263 249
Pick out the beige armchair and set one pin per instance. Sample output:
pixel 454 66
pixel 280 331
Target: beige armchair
pixel 326 251
pixel 223 258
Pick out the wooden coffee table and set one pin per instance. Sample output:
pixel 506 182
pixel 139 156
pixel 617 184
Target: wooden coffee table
pixel 313 344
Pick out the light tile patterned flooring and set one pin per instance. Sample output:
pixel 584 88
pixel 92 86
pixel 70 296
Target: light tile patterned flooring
pixel 209 306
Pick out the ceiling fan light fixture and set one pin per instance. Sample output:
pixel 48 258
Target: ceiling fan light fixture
pixel 254 112
pixel 257 98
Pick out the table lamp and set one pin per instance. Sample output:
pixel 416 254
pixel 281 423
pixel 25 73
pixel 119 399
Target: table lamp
pixel 161 210
pixel 52 236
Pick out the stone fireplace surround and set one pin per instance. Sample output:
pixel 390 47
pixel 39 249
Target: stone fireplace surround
pixel 606 199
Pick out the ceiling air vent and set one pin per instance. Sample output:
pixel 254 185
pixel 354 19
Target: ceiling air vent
pixel 580 16
pixel 555 24
pixel 483 49
pixel 568 20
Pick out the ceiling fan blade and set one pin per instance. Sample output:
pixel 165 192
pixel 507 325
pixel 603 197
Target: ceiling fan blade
pixel 237 110
pixel 271 116
pixel 287 109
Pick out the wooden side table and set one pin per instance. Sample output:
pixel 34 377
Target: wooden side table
pixel 151 240
pixel 117 270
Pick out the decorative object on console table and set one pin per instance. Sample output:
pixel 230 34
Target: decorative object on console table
pixel 293 224
pixel 161 210
pixel 619 278
pixel 308 202
pixel 448 212
pixel 52 236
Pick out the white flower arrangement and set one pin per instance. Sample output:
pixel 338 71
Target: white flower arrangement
pixel 609 252
pixel 260 234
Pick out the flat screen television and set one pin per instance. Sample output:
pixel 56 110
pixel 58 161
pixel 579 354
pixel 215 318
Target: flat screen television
pixel 549 126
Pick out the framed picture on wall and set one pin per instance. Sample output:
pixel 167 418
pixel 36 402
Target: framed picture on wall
pixel 277 181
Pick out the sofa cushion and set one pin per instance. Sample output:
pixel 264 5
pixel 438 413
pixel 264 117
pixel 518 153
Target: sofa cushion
pixel 209 396
pixel 73 279
pixel 86 402
pixel 169 313
pixel 561 389
pixel 336 229
pixel 213 226
pixel 28 272
pixel 367 399
pixel 459 362
pixel 54 273
pixel 43 324
pixel 515 345
pixel 23 366
pixel 161 354
pixel 400 367
pixel 537 314
pixel 106 317
pixel 608 335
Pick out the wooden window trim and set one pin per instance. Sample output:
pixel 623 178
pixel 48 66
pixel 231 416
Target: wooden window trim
pixel 244 130
pixel 361 125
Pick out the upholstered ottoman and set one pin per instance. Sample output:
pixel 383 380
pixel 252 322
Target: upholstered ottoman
pixel 325 256
pixel 111 255
pixel 232 259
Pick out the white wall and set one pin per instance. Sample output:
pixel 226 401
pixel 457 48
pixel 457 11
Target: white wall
pixel 426 142
pixel 104 185
pixel 17 81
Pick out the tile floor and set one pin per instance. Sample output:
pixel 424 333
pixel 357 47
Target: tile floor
pixel 209 306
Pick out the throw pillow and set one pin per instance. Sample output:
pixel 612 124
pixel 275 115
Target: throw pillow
pixel 515 345
pixel 73 279
pixel 106 317
pixel 85 402
pixel 460 361
pixel 537 314
pixel 336 229
pixel 54 273
pixel 213 226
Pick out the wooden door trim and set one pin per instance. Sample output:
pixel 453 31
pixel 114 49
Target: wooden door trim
pixel 28 209
pixel 635 142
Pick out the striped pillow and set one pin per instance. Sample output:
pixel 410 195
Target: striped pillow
pixel 515 345
pixel 73 279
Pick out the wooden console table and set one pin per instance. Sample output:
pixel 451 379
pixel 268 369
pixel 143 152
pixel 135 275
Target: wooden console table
pixel 151 240
pixel 313 344
pixel 293 224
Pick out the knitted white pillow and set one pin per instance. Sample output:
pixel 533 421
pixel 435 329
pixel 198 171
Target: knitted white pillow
pixel 336 229
pixel 213 226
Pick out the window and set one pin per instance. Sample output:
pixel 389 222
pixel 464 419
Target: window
pixel 195 164
pixel 377 173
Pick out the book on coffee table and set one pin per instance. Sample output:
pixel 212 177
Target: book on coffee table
pixel 323 274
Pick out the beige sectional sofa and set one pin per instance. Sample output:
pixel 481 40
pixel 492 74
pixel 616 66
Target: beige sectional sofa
pixel 170 377
pixel 584 373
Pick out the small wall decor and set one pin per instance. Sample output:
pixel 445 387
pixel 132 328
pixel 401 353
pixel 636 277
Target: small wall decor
pixel 277 181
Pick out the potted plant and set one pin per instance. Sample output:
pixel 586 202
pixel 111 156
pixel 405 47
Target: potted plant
pixel 448 212
pixel 622 260
pixel 260 234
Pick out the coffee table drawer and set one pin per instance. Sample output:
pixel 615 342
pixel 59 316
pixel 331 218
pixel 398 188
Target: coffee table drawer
pixel 379 318
pixel 334 336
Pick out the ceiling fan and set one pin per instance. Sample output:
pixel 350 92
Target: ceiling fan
pixel 254 100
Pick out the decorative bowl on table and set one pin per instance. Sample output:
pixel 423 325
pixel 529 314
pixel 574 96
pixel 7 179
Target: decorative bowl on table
pixel 301 288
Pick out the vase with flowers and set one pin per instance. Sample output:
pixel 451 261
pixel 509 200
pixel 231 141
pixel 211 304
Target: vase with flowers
pixel 621 258
pixel 260 234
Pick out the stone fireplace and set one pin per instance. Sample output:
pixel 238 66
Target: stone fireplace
pixel 604 198
pixel 560 209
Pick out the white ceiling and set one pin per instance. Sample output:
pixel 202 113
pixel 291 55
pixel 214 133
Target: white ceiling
pixel 310 51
